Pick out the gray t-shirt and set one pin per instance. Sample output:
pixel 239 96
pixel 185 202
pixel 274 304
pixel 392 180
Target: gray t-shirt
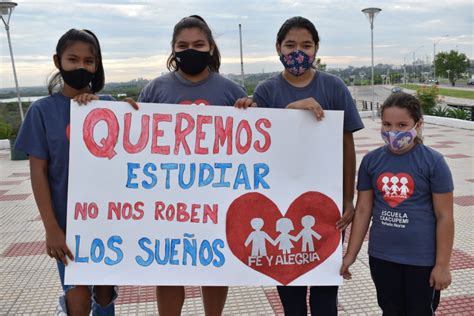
pixel 403 220
pixel 174 89
pixel 329 90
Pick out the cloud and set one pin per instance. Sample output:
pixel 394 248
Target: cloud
pixel 135 35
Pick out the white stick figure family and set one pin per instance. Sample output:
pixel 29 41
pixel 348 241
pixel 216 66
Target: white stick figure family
pixel 393 189
pixel 285 240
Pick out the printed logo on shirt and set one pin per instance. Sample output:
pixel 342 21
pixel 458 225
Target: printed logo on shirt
pixel 195 102
pixel 394 218
pixel 395 188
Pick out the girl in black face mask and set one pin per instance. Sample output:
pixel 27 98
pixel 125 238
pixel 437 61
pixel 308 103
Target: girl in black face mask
pixel 194 64
pixel 79 62
pixel 44 136
pixel 193 79
pixel 195 52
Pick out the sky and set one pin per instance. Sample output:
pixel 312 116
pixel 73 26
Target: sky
pixel 135 35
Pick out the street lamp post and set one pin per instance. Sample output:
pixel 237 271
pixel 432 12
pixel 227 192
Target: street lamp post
pixel 414 59
pixel 371 13
pixel 362 75
pixel 6 9
pixel 404 70
pixel 241 57
pixel 404 74
pixel 434 55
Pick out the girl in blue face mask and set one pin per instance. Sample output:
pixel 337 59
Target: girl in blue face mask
pixel 302 86
pixel 406 189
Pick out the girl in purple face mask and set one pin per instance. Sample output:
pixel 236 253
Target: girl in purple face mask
pixel 406 190
pixel 302 86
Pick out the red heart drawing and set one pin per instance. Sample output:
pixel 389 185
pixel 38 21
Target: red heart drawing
pixel 395 188
pixel 195 102
pixel 252 215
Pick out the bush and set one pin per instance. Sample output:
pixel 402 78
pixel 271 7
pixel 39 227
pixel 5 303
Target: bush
pixel 10 115
pixel 440 111
pixel 458 114
pixel 5 130
pixel 428 97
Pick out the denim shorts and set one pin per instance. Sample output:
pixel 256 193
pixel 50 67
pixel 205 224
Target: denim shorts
pixel 97 309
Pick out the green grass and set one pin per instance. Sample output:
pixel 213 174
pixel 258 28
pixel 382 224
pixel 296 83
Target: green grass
pixel 445 91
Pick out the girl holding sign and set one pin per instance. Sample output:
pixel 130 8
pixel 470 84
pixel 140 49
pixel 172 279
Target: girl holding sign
pixel 193 79
pixel 412 232
pixel 301 86
pixel 44 136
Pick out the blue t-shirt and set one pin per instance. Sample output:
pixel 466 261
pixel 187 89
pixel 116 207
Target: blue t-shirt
pixel 403 220
pixel 174 89
pixel 328 90
pixel 45 135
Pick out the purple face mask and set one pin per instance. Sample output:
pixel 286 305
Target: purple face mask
pixel 399 140
pixel 297 62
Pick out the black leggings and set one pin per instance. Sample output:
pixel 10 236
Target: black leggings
pixel 403 289
pixel 322 300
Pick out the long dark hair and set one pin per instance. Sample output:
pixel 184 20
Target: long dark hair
pixel 73 35
pixel 408 102
pixel 300 23
pixel 194 21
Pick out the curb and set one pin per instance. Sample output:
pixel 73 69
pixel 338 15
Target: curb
pixel 435 120
pixel 4 144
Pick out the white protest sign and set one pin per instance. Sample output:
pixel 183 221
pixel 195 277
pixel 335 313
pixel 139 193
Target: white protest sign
pixel 203 195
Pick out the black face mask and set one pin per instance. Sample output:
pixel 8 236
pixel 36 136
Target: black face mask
pixel 78 78
pixel 191 61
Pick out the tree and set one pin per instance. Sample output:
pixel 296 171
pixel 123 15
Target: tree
pixel 320 65
pixel 452 65
pixel 395 77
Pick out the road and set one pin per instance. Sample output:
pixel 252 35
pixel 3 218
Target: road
pixel 365 92
pixel 382 92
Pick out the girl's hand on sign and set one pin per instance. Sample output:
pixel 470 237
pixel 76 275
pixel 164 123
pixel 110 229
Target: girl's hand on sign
pixel 440 277
pixel 56 246
pixel 308 104
pixel 131 102
pixel 243 103
pixel 85 98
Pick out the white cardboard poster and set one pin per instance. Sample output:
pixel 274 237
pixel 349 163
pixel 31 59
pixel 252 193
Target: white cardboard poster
pixel 203 195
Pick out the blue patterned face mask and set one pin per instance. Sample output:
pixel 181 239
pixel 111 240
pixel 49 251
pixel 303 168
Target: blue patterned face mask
pixel 297 62
pixel 399 140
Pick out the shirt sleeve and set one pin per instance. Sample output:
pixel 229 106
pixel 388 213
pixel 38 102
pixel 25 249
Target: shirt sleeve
pixel 142 97
pixel 441 180
pixel 259 97
pixel 32 136
pixel 352 120
pixel 241 92
pixel 364 182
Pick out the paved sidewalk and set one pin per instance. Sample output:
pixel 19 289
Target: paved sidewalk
pixel 29 283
